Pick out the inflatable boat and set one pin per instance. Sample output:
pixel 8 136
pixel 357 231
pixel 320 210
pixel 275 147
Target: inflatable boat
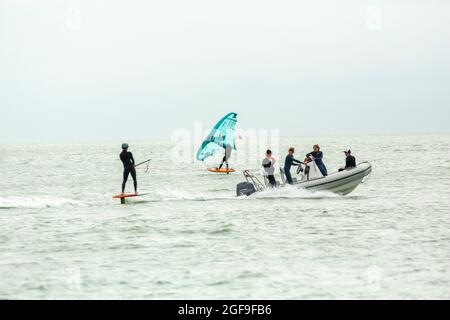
pixel 342 182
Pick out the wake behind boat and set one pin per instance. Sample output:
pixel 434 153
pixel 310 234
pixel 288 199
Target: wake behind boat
pixel 342 183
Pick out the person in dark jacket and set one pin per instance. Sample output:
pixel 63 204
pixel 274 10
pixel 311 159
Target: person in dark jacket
pixel 128 167
pixel 317 157
pixel 288 163
pixel 350 161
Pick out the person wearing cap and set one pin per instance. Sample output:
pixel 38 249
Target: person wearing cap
pixel 128 167
pixel 350 161
pixel 316 155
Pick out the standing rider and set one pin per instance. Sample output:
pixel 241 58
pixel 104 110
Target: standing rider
pixel 288 163
pixel 317 157
pixel 268 165
pixel 227 156
pixel 128 167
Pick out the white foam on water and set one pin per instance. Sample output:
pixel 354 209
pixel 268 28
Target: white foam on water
pixel 36 202
pixel 170 194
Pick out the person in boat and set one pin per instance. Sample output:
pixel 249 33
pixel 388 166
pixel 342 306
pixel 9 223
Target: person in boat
pixel 350 161
pixel 288 163
pixel 226 157
pixel 316 155
pixel 128 167
pixel 268 165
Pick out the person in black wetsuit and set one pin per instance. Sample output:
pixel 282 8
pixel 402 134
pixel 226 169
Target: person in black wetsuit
pixel 128 167
pixel 288 163
pixel 317 157
pixel 225 158
pixel 350 161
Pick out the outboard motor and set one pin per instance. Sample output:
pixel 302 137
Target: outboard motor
pixel 245 189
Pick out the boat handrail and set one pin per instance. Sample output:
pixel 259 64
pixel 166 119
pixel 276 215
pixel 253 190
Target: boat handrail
pixel 250 177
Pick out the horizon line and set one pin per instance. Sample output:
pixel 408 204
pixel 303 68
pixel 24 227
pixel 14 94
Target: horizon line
pixel 112 140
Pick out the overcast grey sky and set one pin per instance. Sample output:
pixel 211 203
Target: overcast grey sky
pixel 104 69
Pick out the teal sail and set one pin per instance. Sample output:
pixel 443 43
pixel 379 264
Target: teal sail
pixel 221 137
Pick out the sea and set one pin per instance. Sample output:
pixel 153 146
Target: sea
pixel 62 236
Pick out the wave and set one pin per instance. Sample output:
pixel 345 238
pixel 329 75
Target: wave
pixel 35 202
pixel 170 194
pixel 160 195
pixel 290 192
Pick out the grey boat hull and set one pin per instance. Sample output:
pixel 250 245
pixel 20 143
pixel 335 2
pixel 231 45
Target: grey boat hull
pixel 342 183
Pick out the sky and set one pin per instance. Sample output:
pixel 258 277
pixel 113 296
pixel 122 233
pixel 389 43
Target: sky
pixel 108 70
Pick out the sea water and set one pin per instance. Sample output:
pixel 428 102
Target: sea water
pixel 63 237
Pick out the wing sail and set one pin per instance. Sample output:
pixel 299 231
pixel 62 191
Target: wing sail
pixel 220 137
